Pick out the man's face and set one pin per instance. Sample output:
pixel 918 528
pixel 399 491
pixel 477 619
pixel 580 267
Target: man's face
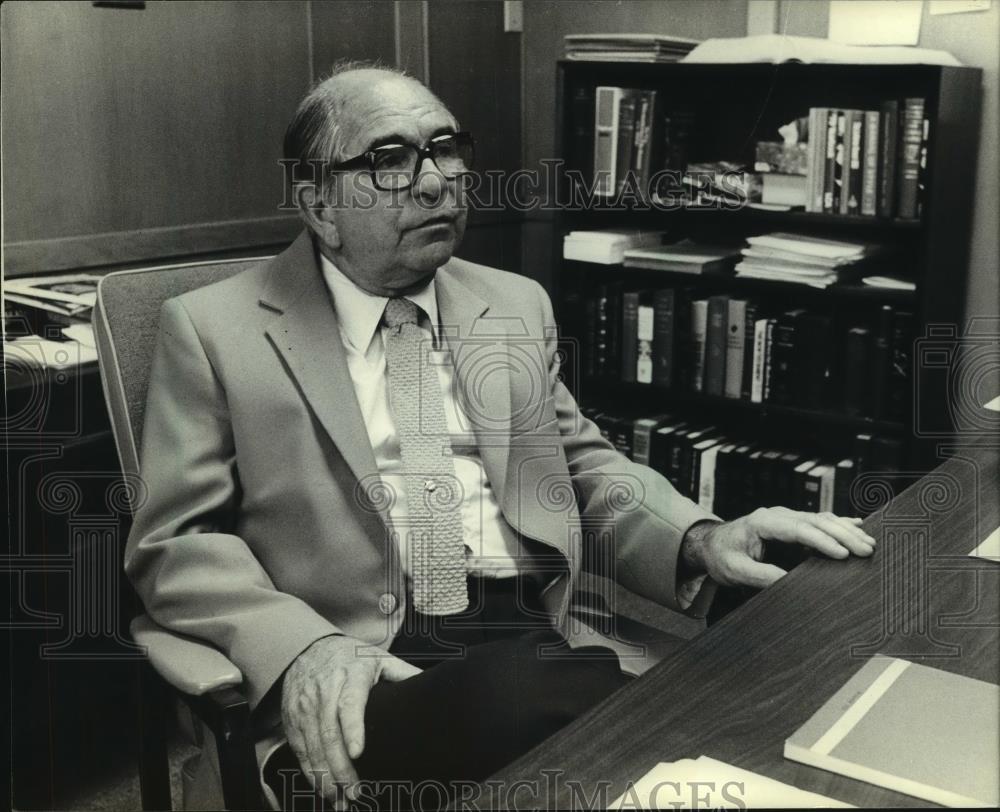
pixel 391 241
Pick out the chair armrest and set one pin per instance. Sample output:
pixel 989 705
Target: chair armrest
pixel 190 666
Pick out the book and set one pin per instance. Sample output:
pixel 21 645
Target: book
pixel 628 105
pixel 815 487
pixel 644 339
pixel 607 109
pixel 715 345
pixel 629 335
pixel 720 496
pixel 830 162
pixel 707 478
pixel 888 143
pixel 698 452
pixel 911 137
pixel 750 321
pixel 784 478
pixel 801 484
pixel 663 337
pixel 759 360
pixel 736 330
pixel 784 190
pixel 921 731
pixel 642 437
pixel 785 339
pixel 582 136
pixel 818 175
pixel 880 363
pixel 922 171
pixel 699 335
pixel 662 445
pixel 855 373
pixel 863 453
pixel 768 339
pixel 843 478
pixel 850 198
pixel 839 161
pixel 606 247
pixel 870 156
pixel 682 258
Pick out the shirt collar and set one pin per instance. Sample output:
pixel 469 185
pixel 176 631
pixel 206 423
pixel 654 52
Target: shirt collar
pixel 359 312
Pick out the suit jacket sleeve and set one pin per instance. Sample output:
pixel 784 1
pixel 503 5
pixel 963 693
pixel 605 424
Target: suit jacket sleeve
pixel 649 517
pixel 194 573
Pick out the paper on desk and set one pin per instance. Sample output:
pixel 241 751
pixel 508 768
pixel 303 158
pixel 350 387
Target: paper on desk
pixel 704 783
pixel 82 333
pixel 990 548
pixel 41 352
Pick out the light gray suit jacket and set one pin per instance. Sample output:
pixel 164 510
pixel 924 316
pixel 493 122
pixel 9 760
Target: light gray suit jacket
pixel 262 533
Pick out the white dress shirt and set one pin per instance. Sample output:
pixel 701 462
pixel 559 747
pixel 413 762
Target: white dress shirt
pixel 494 548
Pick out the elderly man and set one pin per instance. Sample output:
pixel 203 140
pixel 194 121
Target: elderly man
pixel 369 487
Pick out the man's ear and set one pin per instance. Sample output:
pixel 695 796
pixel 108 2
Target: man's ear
pixel 317 213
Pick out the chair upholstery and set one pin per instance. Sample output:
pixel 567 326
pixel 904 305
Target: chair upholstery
pixel 126 320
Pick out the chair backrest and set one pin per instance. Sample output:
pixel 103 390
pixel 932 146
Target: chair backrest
pixel 126 321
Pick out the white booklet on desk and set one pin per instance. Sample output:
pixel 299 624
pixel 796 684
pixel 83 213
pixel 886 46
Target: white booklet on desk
pixel 918 730
pixel 704 783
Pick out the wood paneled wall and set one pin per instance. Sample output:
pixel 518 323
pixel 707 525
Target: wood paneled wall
pixel 145 134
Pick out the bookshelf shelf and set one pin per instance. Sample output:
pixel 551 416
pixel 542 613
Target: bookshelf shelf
pixel 729 108
pixel 656 398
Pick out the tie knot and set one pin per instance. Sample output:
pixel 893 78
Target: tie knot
pixel 399 312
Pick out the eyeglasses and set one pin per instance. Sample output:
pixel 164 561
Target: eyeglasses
pixel 396 166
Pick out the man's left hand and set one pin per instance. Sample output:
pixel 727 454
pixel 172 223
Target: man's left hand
pixel 731 552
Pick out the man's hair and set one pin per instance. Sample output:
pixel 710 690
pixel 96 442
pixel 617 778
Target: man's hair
pixel 314 133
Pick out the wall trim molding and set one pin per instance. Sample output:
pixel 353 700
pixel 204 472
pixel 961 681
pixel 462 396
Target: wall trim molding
pixel 144 245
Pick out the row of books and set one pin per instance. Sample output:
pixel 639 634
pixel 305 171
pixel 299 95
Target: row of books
pixel 632 133
pixel 871 163
pixel 731 476
pixel 743 349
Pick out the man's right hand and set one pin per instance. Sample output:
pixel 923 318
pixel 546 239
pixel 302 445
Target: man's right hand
pixel 323 701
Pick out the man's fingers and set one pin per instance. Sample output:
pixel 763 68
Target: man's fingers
pixel 331 735
pixel 851 537
pixel 792 526
pixel 396 670
pixel 352 702
pixel 755 574
pixel 296 740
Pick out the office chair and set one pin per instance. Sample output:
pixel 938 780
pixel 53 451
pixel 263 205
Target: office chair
pixel 126 320
pixel 125 324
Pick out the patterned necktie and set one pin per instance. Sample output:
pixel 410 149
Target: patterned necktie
pixel 433 493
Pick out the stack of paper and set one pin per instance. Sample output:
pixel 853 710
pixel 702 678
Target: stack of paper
pixel 704 783
pixel 72 295
pixel 627 47
pixel 798 258
pixel 784 48
pixel 606 247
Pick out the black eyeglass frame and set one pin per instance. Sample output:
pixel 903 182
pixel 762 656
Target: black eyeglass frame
pixel 366 160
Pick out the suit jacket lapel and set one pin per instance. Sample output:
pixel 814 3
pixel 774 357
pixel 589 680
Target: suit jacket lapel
pixel 480 355
pixel 307 336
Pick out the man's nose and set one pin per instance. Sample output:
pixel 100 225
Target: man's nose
pixel 430 184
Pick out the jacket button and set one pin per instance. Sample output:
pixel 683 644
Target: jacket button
pixel 387 603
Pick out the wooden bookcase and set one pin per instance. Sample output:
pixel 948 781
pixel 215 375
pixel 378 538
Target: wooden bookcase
pixel 736 106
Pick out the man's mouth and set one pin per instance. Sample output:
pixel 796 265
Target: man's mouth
pixel 443 220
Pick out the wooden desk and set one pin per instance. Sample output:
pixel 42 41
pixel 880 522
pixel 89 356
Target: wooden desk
pixel 739 689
